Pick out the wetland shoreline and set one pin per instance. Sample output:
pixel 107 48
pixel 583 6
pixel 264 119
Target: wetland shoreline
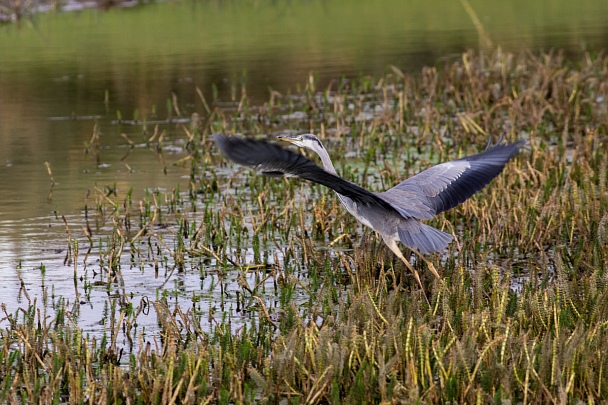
pixel 257 298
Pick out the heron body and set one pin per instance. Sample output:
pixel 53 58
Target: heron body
pixel 396 213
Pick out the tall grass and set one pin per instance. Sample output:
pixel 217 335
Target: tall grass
pixel 520 316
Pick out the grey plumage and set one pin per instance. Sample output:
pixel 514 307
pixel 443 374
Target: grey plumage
pixel 395 213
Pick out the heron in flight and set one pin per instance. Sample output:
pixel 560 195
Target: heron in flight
pixel 395 213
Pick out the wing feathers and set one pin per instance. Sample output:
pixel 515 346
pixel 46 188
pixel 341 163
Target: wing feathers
pixel 425 238
pixel 422 196
pixel 446 185
pixel 275 161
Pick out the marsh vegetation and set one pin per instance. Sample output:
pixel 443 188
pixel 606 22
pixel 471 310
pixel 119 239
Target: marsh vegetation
pixel 268 291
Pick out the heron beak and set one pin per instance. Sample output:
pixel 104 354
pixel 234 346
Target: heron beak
pixel 287 139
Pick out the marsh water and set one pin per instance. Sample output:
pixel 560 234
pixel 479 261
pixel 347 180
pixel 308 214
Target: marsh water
pixel 116 74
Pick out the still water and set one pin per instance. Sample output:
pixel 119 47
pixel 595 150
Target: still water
pixel 66 76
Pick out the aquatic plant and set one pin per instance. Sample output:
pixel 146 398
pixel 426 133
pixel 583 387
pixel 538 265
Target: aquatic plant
pixel 303 305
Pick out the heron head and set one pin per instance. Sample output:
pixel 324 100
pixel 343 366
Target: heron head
pixel 308 141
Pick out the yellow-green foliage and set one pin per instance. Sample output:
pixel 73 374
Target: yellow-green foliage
pixel 520 316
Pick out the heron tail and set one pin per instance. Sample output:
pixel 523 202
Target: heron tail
pixel 426 239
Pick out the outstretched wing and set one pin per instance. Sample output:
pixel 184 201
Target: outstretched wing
pixel 272 160
pixel 448 184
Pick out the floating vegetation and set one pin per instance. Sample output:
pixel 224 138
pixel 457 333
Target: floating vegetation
pixel 267 291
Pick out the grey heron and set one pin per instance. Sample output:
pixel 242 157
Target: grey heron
pixel 396 213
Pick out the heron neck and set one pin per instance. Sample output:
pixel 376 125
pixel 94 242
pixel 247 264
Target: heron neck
pixel 327 164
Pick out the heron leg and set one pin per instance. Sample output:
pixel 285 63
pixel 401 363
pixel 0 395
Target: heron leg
pixel 393 246
pixel 428 263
